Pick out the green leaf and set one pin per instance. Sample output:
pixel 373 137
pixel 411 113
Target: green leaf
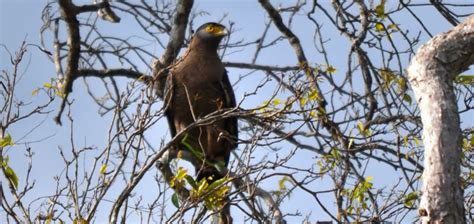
pixel 360 126
pixel 335 154
pixel 362 129
pixel 388 77
pixel 216 183
pixel 402 87
pixel 407 98
pixel 380 10
pixel 11 175
pixel 48 85
pixel 60 93
pixel 276 102
pixel 379 27
pixel 177 180
pixel 313 94
pixel 103 169
pixel 6 141
pixel 181 173
pixel 369 178
pixel 201 189
pixel 465 144
pixel 191 181
pixel 472 139
pixel 410 199
pixel 175 200
pixel 417 141
pixel 351 141
pixel 4 161
pixel 302 102
pixel 393 27
pixel 367 184
pixel 281 183
pixel 35 92
pixel 331 70
pixel 349 209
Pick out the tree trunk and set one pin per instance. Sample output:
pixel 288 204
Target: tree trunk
pixel 431 73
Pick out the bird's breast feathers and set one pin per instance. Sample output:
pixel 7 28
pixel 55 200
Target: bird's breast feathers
pixel 199 73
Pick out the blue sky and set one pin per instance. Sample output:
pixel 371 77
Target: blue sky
pixel 21 20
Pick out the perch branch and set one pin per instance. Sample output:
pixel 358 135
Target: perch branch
pixel 180 21
pixel 69 12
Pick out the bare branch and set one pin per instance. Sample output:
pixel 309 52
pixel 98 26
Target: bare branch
pixel 128 73
pixel 69 12
pixel 261 67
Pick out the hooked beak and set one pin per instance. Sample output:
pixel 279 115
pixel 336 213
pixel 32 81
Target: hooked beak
pixel 221 32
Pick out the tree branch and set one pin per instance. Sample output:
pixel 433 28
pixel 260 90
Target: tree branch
pixel 69 12
pixel 292 38
pixel 180 21
pixel 431 73
pixel 261 67
pixel 128 73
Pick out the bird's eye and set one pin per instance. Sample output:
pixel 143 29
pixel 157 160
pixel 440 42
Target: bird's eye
pixel 210 28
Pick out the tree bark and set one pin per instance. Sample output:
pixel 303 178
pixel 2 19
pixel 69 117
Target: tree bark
pixel 431 73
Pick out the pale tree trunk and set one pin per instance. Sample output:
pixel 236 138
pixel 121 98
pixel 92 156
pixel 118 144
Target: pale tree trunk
pixel 431 73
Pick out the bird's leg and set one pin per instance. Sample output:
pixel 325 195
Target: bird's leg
pixel 163 163
pixel 166 158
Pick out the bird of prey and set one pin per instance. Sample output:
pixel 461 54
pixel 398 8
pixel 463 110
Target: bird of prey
pixel 196 86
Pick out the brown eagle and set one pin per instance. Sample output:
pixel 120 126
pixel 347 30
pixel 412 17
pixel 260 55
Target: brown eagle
pixel 196 86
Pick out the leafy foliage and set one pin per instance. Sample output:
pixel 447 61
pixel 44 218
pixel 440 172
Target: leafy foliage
pixel 8 171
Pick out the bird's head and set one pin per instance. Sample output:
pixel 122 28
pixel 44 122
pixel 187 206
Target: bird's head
pixel 211 31
pixel 210 34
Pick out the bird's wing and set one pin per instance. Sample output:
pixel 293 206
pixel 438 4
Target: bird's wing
pixel 169 113
pixel 229 102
